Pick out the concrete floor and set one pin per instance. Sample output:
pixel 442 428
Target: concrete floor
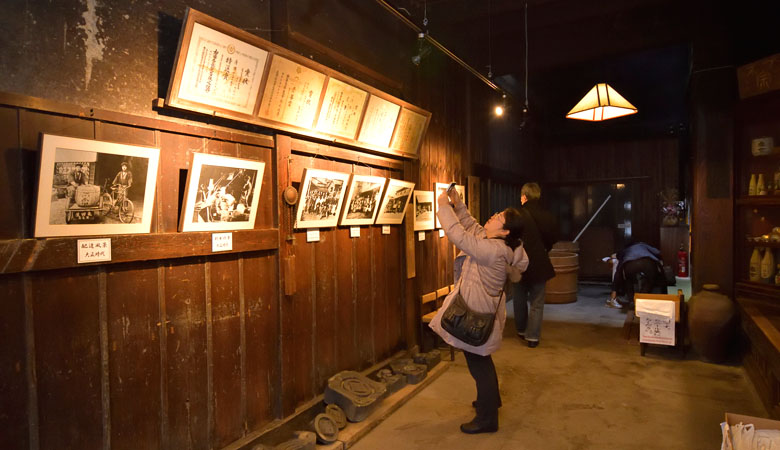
pixel 584 387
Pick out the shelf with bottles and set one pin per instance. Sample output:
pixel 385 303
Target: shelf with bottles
pixel 764 182
pixel 764 267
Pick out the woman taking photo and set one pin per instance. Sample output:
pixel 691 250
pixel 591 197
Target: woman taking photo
pixel 488 255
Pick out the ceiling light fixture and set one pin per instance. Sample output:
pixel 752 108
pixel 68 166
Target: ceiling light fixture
pixel 601 103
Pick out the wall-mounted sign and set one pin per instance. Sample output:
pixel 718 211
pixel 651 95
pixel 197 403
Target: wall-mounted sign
pixel 93 250
pixel 221 242
pixel 225 71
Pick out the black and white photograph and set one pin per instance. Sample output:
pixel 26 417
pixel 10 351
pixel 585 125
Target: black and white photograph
pixel 423 210
pixel 222 193
pixel 90 187
pixel 441 187
pixel 322 194
pixel 397 196
pixel 362 203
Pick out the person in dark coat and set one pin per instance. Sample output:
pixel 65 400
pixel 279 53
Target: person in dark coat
pixel 638 264
pixel 540 232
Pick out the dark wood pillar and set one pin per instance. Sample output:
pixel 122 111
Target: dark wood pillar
pixel 712 100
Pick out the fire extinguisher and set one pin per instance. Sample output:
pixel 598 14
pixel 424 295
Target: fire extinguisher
pixel 682 262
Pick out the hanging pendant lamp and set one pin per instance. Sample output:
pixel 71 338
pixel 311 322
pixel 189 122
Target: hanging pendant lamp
pixel 601 103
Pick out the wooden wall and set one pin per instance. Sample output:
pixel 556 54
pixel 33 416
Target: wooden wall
pixel 171 346
pixel 654 163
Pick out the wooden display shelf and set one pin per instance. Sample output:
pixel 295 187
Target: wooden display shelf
pixel 25 255
pixel 759 200
pixel 758 290
pixel 762 244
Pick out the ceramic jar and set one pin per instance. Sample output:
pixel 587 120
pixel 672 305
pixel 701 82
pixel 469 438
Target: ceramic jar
pixel 712 322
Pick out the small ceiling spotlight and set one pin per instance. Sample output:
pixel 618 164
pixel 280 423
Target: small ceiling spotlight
pixel 501 108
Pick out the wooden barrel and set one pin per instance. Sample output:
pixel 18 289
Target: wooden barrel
pixel 562 288
pixel 567 246
pixel 87 195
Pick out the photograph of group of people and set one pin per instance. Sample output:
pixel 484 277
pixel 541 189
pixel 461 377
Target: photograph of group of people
pixel 332 198
pixel 222 193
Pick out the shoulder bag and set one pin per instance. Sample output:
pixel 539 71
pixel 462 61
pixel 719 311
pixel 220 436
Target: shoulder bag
pixel 468 326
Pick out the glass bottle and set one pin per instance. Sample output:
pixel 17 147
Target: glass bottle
pixel 755 265
pixel 760 186
pixel 752 185
pixel 768 267
pixel 777 181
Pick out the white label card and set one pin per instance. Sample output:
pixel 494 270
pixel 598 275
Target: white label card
pixel 441 232
pixel 421 236
pixel 385 229
pixel 354 231
pixel 93 250
pixel 313 235
pixel 221 242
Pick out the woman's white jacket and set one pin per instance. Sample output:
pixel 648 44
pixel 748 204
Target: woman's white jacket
pixel 481 270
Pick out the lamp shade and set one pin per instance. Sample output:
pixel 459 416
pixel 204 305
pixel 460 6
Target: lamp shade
pixel 601 103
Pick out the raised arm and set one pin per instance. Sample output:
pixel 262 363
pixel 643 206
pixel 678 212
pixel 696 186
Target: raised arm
pixel 473 244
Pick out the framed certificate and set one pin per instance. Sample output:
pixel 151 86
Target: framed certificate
pixel 379 122
pixel 341 109
pixel 409 131
pixel 292 93
pixel 216 70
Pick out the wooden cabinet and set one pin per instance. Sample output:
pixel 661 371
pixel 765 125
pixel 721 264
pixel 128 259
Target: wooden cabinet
pixel 756 215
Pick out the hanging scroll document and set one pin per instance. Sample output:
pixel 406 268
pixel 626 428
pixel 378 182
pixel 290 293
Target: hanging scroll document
pixel 292 93
pixel 408 131
pixel 379 122
pixel 341 109
pixel 220 72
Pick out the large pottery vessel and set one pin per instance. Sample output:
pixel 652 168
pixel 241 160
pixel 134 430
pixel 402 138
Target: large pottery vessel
pixel 712 320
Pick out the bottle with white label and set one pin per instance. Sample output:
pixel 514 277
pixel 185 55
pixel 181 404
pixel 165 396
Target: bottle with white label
pixel 755 265
pixel 768 267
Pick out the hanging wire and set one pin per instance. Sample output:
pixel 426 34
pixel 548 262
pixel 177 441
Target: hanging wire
pixel 490 46
pixel 525 19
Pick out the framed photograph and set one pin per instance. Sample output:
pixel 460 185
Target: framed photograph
pixel 441 187
pixel 362 202
pixel 89 187
pixel 393 207
pixel 423 210
pixel 322 193
pixel 217 69
pixel 222 193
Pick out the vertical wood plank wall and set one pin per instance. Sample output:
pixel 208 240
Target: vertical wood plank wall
pixel 182 349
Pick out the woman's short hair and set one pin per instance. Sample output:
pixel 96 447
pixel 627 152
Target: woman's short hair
pixel 532 191
pixel 513 222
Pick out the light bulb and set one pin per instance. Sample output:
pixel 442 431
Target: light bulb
pixel 499 110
